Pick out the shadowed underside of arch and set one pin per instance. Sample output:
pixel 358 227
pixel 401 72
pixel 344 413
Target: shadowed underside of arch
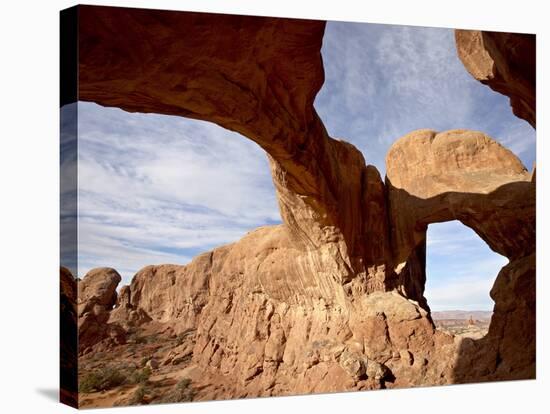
pixel 346 269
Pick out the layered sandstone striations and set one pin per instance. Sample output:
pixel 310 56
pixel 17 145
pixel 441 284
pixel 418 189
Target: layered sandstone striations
pixel 506 63
pixel 332 299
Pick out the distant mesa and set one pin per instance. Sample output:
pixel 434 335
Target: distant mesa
pixel 462 314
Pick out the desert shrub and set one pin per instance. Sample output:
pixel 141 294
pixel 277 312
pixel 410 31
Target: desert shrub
pixel 101 379
pixel 140 340
pixel 182 392
pixel 139 376
pixel 110 377
pixel 143 340
pixel 144 361
pixel 137 396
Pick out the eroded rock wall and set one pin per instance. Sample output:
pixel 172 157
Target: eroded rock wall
pixel 262 326
pixel 96 297
pixel 186 64
pixel 467 176
pixel 506 62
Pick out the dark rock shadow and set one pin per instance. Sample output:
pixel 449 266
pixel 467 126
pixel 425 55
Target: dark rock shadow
pixel 508 351
pixel 506 220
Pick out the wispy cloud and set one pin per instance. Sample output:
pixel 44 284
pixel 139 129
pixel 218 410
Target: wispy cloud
pixel 385 81
pixel 460 268
pixel 158 189
pixel 472 294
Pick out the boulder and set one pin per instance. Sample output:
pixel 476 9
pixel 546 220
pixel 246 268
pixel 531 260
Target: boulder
pixel 152 364
pixel 96 297
pixel 98 287
pixel 125 314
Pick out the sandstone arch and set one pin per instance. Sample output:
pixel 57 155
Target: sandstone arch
pixel 182 64
pixel 467 176
pixel 304 306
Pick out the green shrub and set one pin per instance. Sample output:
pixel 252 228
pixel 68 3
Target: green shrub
pixel 153 339
pixel 137 396
pixel 101 379
pixel 182 392
pixel 110 377
pixel 139 376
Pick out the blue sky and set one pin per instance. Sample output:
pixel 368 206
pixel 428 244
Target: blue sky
pixel 160 189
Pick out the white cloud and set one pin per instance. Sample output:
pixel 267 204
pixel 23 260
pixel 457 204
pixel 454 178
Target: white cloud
pixel 159 189
pixel 460 268
pixel 384 81
pixel 466 294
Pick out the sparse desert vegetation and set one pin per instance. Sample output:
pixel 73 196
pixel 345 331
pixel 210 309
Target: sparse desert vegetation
pixel 146 371
pixel 182 392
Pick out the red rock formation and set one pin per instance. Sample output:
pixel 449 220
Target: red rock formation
pixel 125 314
pixel 323 302
pixel 96 297
pixel 467 176
pixel 68 339
pixel 506 63
pixel 98 287
pixel 264 329
pixel 186 64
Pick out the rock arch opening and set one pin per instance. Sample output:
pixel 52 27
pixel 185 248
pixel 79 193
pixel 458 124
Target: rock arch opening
pixel 163 189
pixel 460 272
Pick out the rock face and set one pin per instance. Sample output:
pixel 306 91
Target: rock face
pixel 98 287
pixel 68 338
pixel 126 314
pixel 467 176
pixel 96 297
pixel 155 291
pixel 506 63
pixel 332 299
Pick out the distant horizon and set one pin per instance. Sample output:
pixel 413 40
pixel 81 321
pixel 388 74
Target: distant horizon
pixel 462 310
